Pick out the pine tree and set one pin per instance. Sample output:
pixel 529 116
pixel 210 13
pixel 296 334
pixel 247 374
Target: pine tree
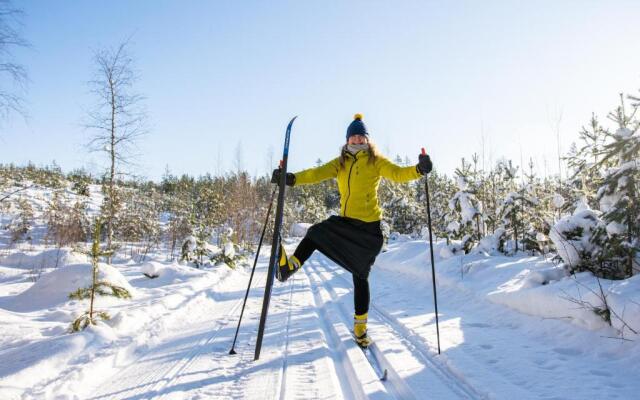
pixel 585 163
pixel 511 209
pixel 465 219
pixel 536 221
pixel 619 198
pixel 441 189
pixel 97 287
pixel 399 202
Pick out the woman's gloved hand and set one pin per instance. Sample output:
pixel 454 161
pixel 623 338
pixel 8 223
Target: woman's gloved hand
pixel 290 179
pixel 424 164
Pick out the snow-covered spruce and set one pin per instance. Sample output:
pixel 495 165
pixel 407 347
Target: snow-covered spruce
pixel 465 225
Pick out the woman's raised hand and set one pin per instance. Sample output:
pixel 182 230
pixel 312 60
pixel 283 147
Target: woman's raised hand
pixel 290 178
pixel 424 163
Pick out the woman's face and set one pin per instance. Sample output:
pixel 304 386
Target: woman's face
pixel 357 139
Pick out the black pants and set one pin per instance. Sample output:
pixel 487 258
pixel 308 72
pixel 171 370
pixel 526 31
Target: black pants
pixel 361 294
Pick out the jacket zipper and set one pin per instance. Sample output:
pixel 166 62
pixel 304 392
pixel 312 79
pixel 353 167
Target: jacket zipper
pixel 344 213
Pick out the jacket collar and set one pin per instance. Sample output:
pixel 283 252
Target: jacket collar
pixel 358 155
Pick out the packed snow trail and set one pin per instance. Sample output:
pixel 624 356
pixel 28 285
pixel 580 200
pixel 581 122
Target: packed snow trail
pixel 489 351
pixel 308 353
pixel 411 370
pixel 295 362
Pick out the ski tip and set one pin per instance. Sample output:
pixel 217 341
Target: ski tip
pixel 384 375
pixel 292 119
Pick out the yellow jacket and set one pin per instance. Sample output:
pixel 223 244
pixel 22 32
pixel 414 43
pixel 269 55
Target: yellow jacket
pixel 358 182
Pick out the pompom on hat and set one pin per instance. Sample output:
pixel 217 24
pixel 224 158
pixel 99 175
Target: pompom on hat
pixel 357 127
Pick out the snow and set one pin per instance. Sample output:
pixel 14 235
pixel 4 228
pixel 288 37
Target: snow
pixel 490 243
pixel 608 202
pixel 510 327
pixel 624 132
pixel 53 288
pixel 616 228
pixel 229 250
pixel 462 183
pixel 570 249
pixel 152 269
pixel 558 200
pixel 453 226
pixel 467 210
pixel 506 324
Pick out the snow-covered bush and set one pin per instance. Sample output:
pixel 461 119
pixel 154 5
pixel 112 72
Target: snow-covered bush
pixel 80 181
pixel 572 237
pixel 464 219
pixel 229 256
pixel 493 243
pixel 66 223
pixel 151 269
pixel 138 221
pixel 21 225
pixel 231 252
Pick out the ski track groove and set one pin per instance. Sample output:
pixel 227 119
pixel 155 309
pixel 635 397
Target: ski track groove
pixel 410 340
pixel 283 379
pixel 398 388
pixel 300 377
pixel 153 381
pixel 59 380
pixel 198 350
pixel 238 388
pixel 350 384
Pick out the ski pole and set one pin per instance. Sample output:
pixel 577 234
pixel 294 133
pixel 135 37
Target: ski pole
pixel 433 268
pixel 255 262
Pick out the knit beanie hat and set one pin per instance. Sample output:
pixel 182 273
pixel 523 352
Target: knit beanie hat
pixel 357 127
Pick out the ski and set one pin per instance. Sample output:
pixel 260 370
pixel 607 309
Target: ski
pixel 371 357
pixel 275 245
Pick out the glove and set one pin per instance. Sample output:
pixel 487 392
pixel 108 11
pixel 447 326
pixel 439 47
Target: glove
pixel 290 179
pixel 424 164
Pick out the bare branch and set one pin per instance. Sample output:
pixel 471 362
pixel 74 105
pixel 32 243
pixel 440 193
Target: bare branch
pixel 11 38
pixel 118 118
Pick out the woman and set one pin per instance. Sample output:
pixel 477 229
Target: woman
pixel 353 239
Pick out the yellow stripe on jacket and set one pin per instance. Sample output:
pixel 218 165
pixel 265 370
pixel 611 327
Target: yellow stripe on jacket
pixel 358 182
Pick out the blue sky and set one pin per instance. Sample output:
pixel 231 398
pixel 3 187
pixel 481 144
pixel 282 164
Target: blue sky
pixel 219 76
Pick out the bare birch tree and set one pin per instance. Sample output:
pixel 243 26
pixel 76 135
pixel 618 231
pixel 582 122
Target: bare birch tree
pixel 13 76
pixel 118 120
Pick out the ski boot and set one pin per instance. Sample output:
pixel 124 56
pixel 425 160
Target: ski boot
pixel 286 266
pixel 360 331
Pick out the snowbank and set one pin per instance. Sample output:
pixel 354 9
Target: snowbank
pixel 530 285
pixel 152 269
pixel 54 287
pixel 50 258
pixel 167 274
